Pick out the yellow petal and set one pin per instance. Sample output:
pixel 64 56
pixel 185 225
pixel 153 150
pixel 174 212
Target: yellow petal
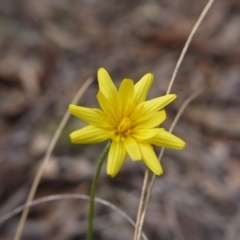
pixel 142 87
pixel 150 121
pixel 107 106
pixel 92 116
pixel 154 105
pixel 106 85
pixel 89 134
pixel 132 148
pixel 125 97
pixel 116 157
pixel 168 140
pixel 145 134
pixel 150 158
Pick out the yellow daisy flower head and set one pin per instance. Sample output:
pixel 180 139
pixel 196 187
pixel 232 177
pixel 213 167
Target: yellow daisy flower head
pixel 128 120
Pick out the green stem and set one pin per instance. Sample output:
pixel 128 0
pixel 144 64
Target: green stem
pixel 93 191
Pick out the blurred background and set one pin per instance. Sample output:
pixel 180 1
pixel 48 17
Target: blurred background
pixel 49 48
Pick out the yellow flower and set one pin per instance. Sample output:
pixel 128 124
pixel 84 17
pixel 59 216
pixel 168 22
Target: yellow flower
pixel 128 120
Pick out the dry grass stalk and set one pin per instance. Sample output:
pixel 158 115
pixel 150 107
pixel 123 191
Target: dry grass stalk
pixel 67 197
pixel 47 157
pixel 146 191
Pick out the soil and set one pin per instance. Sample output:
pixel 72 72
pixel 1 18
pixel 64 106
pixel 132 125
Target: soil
pixel 49 48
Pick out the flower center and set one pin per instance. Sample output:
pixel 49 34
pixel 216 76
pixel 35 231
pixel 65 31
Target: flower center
pixel 124 127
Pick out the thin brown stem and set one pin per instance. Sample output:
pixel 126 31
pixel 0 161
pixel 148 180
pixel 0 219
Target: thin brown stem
pixel 17 210
pixel 151 181
pixel 141 205
pixel 46 159
pixel 139 222
pixel 196 26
